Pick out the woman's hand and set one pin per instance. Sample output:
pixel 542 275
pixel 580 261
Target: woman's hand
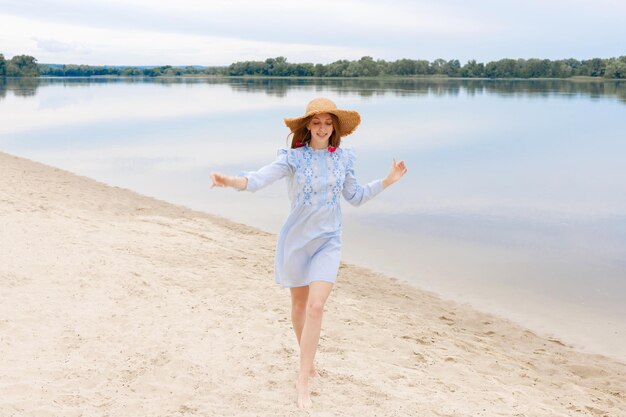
pixel 220 180
pixel 398 169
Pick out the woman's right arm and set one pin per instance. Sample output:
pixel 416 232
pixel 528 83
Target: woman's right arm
pixel 255 180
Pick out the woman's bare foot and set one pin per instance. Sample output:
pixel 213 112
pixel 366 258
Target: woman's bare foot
pixel 302 388
pixel 314 373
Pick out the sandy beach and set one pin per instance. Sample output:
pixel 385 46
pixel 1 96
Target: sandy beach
pixel 117 304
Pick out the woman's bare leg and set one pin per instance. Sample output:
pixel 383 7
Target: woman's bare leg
pixel 318 294
pixel 299 296
pixel 299 299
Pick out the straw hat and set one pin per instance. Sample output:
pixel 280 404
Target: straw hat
pixel 348 119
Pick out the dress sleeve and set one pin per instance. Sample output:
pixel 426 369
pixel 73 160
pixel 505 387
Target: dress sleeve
pixel 266 175
pixel 352 191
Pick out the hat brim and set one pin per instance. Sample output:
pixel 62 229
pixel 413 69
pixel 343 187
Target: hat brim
pixel 349 120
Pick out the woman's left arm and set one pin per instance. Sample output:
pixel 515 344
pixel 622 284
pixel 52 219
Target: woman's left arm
pixel 356 194
pixel 397 170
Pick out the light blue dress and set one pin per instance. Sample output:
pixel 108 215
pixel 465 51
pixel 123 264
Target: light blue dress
pixel 309 243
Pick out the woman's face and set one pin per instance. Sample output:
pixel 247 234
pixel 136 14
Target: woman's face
pixel 321 127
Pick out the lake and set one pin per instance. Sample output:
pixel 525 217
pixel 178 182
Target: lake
pixel 515 199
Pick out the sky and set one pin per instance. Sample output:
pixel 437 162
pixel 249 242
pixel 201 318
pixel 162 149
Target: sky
pixel 220 32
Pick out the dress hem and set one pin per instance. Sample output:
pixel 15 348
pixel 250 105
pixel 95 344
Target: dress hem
pixel 304 285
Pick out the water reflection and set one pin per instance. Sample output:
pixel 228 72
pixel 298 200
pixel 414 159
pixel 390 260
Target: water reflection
pixel 279 87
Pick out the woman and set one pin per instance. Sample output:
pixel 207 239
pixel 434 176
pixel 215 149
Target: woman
pixel 308 251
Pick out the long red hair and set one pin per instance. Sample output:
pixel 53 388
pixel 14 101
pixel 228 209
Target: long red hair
pixel 301 135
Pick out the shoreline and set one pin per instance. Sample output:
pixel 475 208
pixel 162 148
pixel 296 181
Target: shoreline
pixel 116 302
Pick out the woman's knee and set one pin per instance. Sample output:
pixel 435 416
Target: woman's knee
pixel 298 305
pixel 315 308
pixel 299 298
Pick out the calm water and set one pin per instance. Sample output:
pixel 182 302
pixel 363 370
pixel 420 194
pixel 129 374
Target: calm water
pixel 515 200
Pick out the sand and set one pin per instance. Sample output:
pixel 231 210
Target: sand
pixel 117 304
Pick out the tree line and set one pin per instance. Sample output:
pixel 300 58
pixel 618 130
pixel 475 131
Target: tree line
pixel 612 68
pixel 19 66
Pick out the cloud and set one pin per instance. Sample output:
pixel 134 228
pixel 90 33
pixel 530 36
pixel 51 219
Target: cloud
pixel 349 24
pixel 348 21
pixel 220 32
pixel 53 46
pixel 103 46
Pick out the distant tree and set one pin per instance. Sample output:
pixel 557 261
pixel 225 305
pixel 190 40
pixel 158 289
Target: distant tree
pixel 367 67
pixel 422 67
pixel 351 70
pixel 438 66
pixel 77 70
pixel 22 66
pixel 173 72
pixel 303 70
pixel 491 70
pixel 538 68
pixel 402 67
pixel 248 68
pixel 453 68
pixel 131 72
pixel 383 66
pixel 573 64
pixel 472 69
pixel 616 68
pixel 319 70
pixel 277 66
pixel 337 68
pixel 216 71
pixel 151 72
pixel 561 69
pixel 509 68
pixel 595 67
pixel 3 66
